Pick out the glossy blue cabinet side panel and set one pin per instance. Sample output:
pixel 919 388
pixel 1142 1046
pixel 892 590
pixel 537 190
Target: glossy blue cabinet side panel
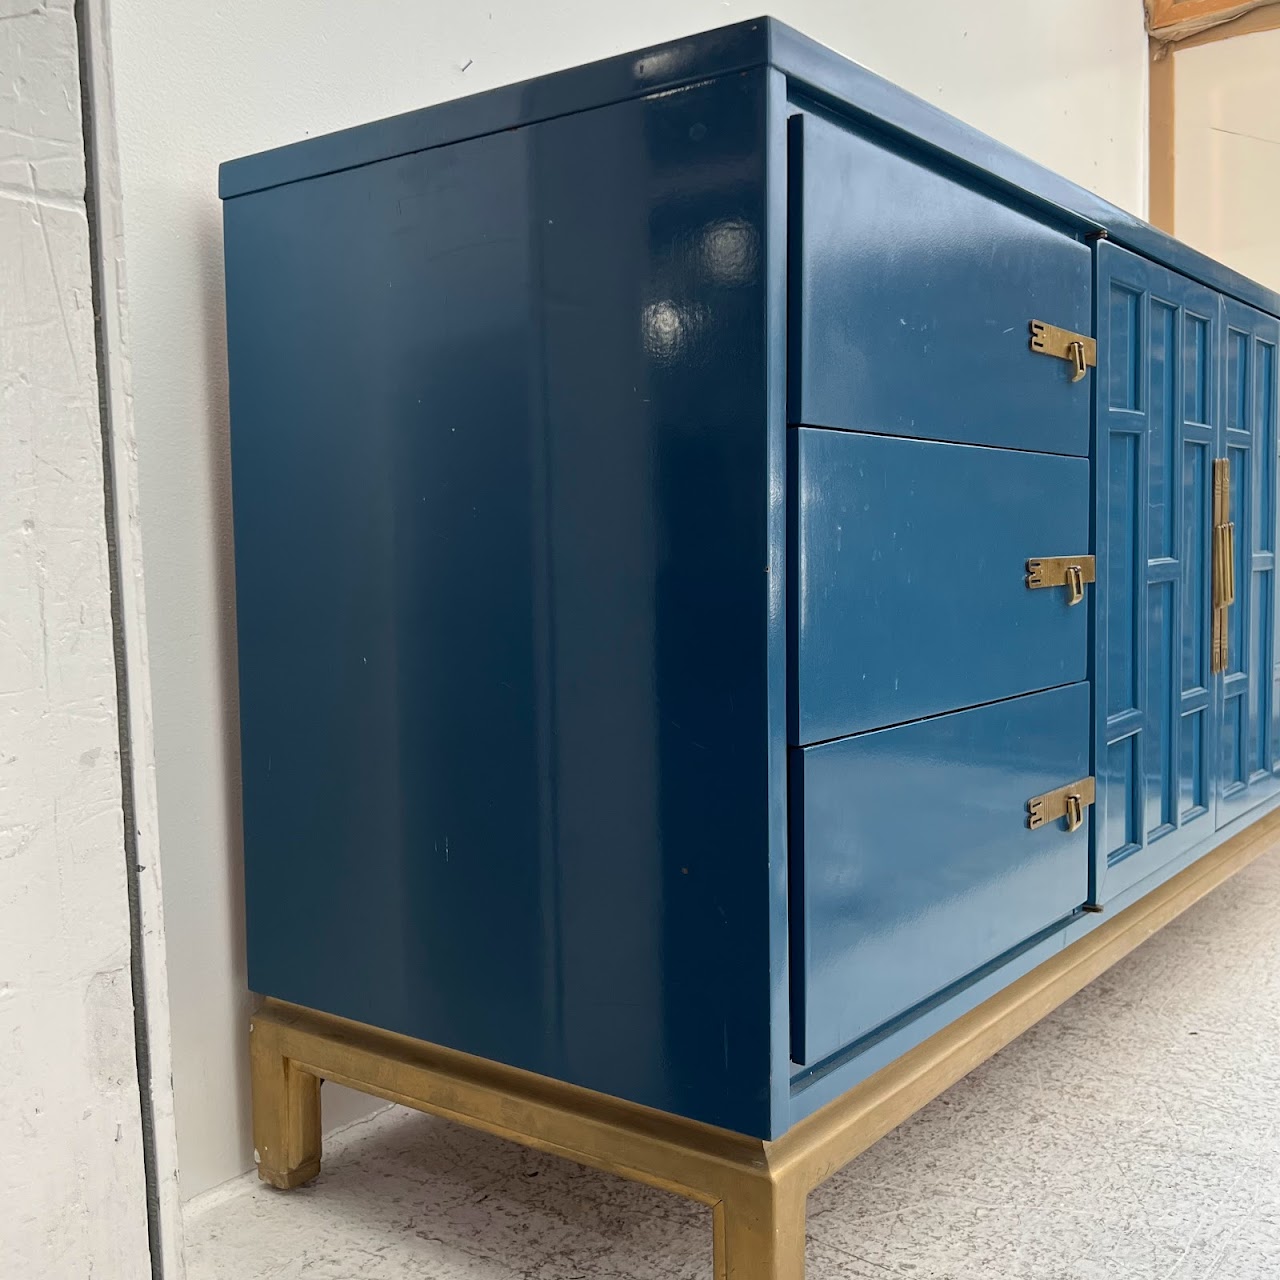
pixel 1157 423
pixel 1246 755
pixel 507 493
pixel 919 866
pixel 914 294
pixel 912 595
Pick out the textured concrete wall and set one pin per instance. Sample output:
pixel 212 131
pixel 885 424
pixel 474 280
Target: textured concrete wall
pixel 71 1171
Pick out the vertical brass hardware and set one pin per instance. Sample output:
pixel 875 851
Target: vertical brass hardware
pixel 1067 803
pixel 1224 563
pixel 1224 569
pixel 1071 572
pixel 1078 349
pixel 1075 811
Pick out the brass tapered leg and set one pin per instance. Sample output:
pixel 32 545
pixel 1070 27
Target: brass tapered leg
pixel 760 1229
pixel 286 1112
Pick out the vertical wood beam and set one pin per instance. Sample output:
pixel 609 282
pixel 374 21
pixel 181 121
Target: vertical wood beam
pixel 1160 193
pixel 1176 19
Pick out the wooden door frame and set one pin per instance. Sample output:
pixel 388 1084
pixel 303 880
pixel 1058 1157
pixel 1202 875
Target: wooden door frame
pixel 1177 19
pixel 1175 25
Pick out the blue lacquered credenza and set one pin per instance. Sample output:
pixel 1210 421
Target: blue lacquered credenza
pixel 749 592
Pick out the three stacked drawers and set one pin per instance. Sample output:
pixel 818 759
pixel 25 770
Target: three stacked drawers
pixel 934 693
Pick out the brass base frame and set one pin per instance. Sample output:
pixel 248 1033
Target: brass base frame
pixel 756 1189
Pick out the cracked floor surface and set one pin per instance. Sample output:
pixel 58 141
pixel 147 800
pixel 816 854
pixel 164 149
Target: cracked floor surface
pixel 1134 1134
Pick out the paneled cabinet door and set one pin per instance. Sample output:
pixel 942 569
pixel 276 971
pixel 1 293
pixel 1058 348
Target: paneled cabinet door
pixel 1246 755
pixel 1158 416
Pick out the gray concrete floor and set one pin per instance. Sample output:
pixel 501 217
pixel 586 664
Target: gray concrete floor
pixel 1132 1134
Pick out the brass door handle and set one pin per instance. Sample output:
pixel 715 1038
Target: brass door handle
pixel 1224 563
pixel 1229 563
pixel 1229 591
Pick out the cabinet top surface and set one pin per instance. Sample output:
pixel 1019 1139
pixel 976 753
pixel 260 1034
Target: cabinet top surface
pixel 814 73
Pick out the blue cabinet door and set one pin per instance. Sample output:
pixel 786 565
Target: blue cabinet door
pixel 1247 743
pixel 1158 407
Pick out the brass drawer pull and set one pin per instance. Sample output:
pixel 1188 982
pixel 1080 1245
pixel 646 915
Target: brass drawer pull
pixel 1071 572
pixel 1067 802
pixel 1078 349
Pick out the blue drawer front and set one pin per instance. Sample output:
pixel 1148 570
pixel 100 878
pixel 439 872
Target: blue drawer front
pixel 913 863
pixel 911 592
pixel 911 300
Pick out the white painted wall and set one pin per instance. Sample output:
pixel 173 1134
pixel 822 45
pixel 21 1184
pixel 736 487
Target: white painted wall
pixel 71 1167
pixel 1227 152
pixel 200 83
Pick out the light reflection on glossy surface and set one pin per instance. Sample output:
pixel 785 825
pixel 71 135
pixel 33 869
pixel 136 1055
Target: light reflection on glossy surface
pixel 730 250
